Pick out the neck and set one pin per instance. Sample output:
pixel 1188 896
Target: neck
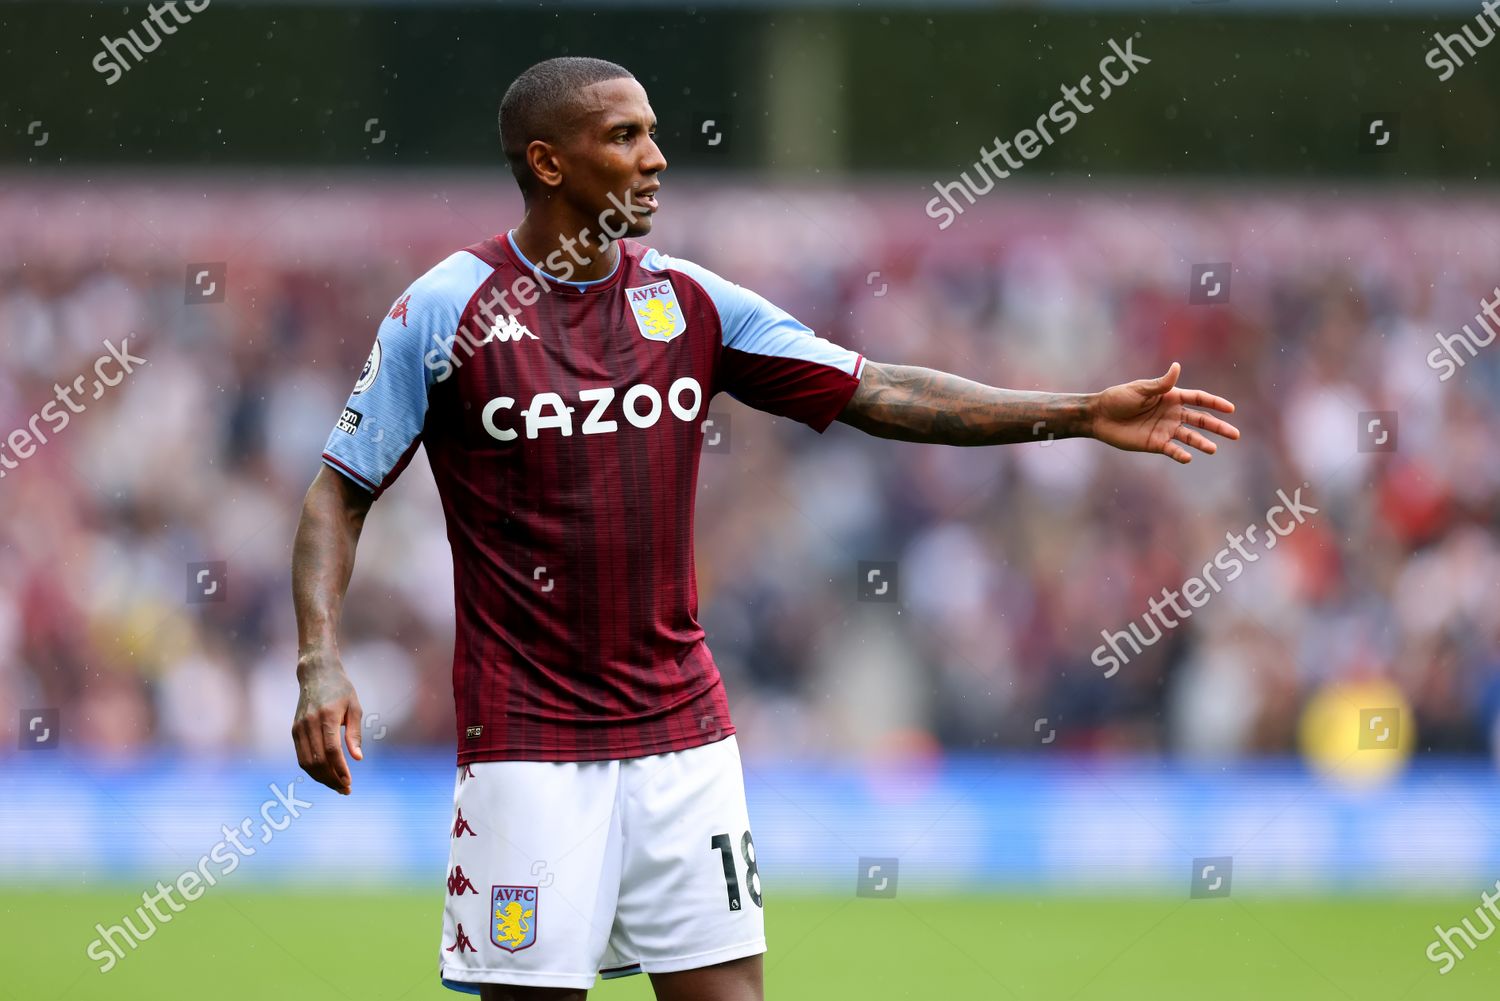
pixel 566 248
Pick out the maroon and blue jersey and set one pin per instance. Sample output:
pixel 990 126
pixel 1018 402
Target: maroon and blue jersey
pixel 563 424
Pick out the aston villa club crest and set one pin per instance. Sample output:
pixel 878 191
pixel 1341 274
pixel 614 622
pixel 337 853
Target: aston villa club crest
pixel 656 311
pixel 513 917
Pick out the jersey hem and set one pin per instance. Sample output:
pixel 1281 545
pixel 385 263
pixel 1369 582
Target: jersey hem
pixel 340 466
pixel 713 957
pixel 843 400
pixel 476 755
pixel 521 978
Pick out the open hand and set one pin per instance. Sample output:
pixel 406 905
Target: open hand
pixel 1151 415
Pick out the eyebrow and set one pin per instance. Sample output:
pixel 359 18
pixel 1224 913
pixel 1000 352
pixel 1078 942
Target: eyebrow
pixel 628 124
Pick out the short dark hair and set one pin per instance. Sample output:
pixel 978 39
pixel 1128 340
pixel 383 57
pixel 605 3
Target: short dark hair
pixel 542 104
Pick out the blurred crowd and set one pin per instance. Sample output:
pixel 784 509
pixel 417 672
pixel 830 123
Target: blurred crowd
pixel 1011 562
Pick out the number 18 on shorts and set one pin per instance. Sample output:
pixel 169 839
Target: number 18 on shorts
pixel 560 871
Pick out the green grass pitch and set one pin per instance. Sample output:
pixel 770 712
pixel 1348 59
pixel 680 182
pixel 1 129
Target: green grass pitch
pixel 243 945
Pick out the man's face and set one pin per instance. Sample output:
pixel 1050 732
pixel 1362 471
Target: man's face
pixel 612 151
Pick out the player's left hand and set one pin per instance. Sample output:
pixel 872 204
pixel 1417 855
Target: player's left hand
pixel 1152 415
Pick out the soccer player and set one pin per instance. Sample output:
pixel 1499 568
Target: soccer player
pixel 559 375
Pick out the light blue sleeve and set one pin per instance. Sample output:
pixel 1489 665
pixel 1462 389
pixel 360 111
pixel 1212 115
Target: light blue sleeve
pixel 755 325
pixel 375 436
pixel 770 360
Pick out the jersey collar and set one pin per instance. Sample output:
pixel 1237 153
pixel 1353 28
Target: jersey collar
pixel 590 286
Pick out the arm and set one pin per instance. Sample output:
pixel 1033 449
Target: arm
pixel 333 514
pixel 906 403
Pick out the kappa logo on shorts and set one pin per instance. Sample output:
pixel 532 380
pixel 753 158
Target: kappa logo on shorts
pixel 513 917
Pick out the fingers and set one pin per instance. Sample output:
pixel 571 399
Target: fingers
pixel 1209 423
pixel 316 737
pixel 1198 398
pixel 1175 451
pixel 300 743
pixel 333 751
pixel 1167 381
pixel 354 730
pixel 1188 436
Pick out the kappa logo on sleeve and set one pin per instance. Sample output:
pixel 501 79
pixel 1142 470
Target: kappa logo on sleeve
pixel 656 310
pixel 398 311
pixel 349 420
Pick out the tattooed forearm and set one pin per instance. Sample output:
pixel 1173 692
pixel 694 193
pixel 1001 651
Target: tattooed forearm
pixel 906 403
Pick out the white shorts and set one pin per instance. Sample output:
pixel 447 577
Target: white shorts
pixel 558 871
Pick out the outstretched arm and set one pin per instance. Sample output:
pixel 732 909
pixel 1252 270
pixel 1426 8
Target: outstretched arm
pixel 907 403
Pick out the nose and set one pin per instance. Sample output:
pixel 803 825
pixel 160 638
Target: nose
pixel 653 162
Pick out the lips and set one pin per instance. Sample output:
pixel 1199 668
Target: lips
pixel 646 198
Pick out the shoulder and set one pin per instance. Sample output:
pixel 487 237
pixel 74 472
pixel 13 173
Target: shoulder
pixel 659 263
pixel 446 288
pixel 728 298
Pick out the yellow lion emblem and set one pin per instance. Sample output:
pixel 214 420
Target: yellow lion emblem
pixel 511 926
pixel 657 319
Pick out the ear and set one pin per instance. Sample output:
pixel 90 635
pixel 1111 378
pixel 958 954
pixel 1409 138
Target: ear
pixel 542 158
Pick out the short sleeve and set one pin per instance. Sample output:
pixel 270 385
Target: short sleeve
pixel 770 360
pixel 381 425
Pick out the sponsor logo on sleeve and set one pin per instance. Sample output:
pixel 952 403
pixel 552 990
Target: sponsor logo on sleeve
pixel 349 420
